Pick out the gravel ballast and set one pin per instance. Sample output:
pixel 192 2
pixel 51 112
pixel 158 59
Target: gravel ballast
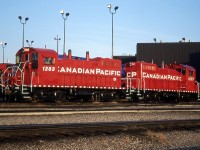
pixel 138 140
pixel 144 140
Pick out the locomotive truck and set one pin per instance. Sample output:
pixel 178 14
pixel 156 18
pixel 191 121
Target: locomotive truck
pixel 42 74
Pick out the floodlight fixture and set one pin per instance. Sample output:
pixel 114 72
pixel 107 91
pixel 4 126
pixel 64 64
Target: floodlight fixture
pixel 64 16
pixel 23 23
pixel 109 6
pixel 62 12
pixel 3 46
pixel 116 8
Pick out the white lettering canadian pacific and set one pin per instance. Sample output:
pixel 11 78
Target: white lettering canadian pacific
pixel 161 76
pixel 96 71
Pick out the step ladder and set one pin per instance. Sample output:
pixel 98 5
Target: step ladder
pixel 26 92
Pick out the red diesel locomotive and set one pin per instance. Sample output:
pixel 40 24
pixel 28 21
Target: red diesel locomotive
pixel 173 81
pixel 41 74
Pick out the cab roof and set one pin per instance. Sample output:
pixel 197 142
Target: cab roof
pixel 42 51
pixel 188 67
pixel 182 66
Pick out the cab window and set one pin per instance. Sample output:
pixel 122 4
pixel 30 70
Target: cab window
pixel 190 73
pixel 183 71
pixel 27 57
pixel 34 57
pixel 48 61
pixel 34 61
pixel 18 58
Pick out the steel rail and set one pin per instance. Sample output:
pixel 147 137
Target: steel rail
pixel 95 127
pixel 88 109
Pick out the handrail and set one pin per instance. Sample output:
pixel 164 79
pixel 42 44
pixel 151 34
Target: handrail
pixel 144 87
pixel 198 85
pixel 128 81
pixel 22 73
pixel 24 65
pixel 14 69
pixel 22 82
pixel 2 79
pixel 33 74
pixel 1 83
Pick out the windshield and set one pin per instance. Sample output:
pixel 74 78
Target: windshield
pixel 18 58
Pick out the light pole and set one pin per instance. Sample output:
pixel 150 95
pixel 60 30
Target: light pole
pixel 23 23
pixel 112 12
pixel 64 16
pixel 3 45
pixel 29 44
pixel 57 39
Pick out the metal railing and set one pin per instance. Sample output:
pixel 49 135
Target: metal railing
pixel 13 72
pixel 198 85
pixel 129 88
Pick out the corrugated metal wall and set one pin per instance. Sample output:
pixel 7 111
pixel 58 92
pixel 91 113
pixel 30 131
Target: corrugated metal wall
pixel 182 52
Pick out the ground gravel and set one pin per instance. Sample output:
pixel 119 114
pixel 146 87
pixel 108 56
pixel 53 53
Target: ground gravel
pixel 140 140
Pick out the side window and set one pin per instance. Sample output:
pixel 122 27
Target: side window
pixel 183 71
pixel 190 73
pixel 27 57
pixel 49 61
pixel 34 57
pixel 34 61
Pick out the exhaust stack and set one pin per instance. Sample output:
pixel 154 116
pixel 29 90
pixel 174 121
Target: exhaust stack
pixel 87 56
pixel 69 54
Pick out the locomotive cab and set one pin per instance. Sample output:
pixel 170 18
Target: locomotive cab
pixel 185 70
pixel 27 61
pixel 29 64
pixel 31 60
pixel 188 77
pixel 25 56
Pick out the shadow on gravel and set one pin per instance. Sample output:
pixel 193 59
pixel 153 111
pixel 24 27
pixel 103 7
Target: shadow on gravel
pixel 188 148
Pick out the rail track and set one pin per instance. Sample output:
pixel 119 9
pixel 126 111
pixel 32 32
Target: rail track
pixel 40 112
pixel 7 131
pixel 28 129
pixel 51 107
pixel 48 111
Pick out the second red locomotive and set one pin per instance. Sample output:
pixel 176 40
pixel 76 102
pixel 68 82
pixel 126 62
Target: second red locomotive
pixel 148 81
pixel 41 74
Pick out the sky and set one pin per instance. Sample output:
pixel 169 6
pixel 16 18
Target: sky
pixel 89 25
